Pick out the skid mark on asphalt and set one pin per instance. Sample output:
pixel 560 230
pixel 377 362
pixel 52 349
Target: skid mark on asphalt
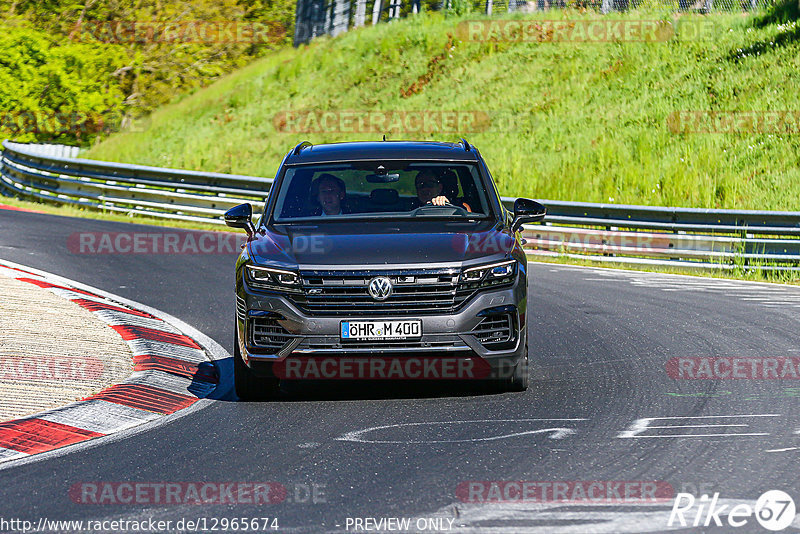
pixel 643 428
pixel 482 430
pixel 767 295
pixel 554 428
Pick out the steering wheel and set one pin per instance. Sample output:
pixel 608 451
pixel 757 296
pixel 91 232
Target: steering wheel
pixel 430 209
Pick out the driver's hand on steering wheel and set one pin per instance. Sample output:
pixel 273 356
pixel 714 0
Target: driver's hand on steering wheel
pixel 441 200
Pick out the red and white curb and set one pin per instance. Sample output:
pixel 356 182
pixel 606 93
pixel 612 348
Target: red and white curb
pixel 173 372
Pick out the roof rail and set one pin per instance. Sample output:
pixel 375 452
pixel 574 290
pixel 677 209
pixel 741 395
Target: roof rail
pixel 467 148
pixel 300 146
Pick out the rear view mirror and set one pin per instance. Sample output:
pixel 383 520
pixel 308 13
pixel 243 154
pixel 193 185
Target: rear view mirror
pixel 527 211
pixel 382 178
pixel 241 216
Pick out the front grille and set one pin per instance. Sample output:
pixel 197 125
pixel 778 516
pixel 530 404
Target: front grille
pixel 495 330
pixel 266 333
pixel 413 291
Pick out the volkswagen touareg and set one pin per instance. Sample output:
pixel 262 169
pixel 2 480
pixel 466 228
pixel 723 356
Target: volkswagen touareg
pixel 377 260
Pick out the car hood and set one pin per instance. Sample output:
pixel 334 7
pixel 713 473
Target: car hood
pixel 327 246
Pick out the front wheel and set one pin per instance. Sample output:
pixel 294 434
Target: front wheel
pixel 248 385
pixel 518 381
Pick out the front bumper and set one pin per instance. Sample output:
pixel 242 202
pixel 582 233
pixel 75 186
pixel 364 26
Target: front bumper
pixel 443 334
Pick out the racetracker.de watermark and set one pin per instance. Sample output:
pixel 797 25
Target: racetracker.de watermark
pixel 186 31
pixel 734 368
pixel 184 242
pixel 75 123
pixel 207 492
pixel 381 367
pixel 48 368
pixel 392 121
pixel 564 491
pixel 734 122
pixel 586 30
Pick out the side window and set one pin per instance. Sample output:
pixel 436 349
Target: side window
pixel 296 198
pixel 472 192
pixel 492 193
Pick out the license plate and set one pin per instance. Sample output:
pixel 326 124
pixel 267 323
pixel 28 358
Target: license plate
pixel 376 330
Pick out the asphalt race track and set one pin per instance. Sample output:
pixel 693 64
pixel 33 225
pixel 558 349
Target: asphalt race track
pixel 599 340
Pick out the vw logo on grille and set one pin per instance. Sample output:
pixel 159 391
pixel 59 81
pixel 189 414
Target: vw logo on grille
pixel 380 288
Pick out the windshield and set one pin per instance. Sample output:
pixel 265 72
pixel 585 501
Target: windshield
pixel 382 189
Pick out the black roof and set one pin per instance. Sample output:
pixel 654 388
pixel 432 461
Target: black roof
pixel 382 150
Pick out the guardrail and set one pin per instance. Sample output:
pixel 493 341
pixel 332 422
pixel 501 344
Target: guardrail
pixel 154 191
pixel 692 237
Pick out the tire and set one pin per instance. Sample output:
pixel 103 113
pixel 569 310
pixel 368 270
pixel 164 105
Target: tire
pixel 518 381
pixel 250 387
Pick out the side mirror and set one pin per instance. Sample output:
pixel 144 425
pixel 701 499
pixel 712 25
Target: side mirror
pixel 241 216
pixel 527 211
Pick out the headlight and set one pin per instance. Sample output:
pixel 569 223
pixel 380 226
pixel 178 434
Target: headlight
pixel 490 274
pixel 473 275
pixel 270 278
pixel 499 271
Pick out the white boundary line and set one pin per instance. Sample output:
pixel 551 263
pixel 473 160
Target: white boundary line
pixel 674 275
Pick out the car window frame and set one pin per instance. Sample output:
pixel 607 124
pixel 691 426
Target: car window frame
pixel 268 219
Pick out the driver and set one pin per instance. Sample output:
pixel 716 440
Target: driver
pixel 429 190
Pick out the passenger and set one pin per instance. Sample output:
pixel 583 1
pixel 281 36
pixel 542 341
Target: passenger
pixel 329 193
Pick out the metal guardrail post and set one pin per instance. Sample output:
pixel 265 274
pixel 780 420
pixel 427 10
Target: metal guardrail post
pixel 377 7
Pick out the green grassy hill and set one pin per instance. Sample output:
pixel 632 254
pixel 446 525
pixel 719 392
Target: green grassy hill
pixel 570 121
